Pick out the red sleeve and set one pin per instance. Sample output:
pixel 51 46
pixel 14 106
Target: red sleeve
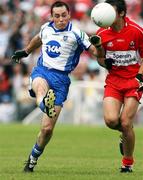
pixel 140 45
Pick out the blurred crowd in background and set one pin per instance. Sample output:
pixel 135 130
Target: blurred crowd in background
pixel 20 20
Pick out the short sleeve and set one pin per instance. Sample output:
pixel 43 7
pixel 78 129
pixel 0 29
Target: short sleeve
pixel 140 44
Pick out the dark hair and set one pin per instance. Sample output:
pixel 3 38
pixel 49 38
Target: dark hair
pixel 120 4
pixel 59 4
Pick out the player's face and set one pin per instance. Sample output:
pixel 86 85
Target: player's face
pixel 60 17
pixel 119 18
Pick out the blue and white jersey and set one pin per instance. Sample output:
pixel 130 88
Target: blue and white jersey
pixel 61 49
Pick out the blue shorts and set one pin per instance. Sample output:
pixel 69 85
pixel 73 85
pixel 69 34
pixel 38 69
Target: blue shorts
pixel 57 80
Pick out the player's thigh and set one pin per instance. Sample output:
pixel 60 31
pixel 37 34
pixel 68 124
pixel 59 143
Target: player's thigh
pixel 111 108
pixel 48 122
pixel 40 85
pixel 129 110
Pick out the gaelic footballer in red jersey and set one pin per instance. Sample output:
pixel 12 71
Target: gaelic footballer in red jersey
pixel 124 47
pixel 123 44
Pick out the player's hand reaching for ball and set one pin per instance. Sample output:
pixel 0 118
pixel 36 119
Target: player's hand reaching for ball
pixel 18 55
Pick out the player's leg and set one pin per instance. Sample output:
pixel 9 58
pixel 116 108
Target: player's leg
pixel 111 108
pixel 60 83
pixel 45 97
pixel 47 127
pixel 40 88
pixel 44 136
pixel 127 115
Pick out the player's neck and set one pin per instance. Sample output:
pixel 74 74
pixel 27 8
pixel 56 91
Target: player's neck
pixel 119 25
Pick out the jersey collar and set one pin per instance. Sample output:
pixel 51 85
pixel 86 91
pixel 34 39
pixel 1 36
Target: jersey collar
pixel 126 19
pixel 67 28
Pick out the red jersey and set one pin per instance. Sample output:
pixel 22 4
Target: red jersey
pixel 125 47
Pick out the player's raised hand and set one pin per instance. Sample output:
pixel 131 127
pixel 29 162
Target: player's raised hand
pixel 18 55
pixel 139 78
pixel 95 40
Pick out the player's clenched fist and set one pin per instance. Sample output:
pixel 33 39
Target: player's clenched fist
pixel 95 40
pixel 18 55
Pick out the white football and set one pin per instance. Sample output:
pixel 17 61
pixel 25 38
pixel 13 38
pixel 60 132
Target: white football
pixel 103 15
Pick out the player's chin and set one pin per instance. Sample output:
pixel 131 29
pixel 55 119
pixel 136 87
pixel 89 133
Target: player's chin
pixel 62 26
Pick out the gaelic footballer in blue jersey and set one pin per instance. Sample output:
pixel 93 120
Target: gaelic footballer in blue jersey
pixel 61 45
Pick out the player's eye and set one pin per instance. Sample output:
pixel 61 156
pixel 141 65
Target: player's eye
pixel 64 15
pixel 56 15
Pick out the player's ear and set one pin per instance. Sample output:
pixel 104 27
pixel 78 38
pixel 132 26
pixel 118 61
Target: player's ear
pixel 69 15
pixel 51 18
pixel 122 14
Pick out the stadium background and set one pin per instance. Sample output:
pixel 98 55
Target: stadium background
pixel 20 20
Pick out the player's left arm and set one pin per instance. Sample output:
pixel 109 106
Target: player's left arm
pixel 139 76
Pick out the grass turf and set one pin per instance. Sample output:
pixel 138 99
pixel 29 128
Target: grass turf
pixel 74 153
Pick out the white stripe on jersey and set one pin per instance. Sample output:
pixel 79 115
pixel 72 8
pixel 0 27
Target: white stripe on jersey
pixel 61 49
pixel 136 27
pixel 123 58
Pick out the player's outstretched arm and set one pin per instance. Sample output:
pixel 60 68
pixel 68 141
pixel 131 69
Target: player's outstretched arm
pixel 34 43
pixel 100 53
pixel 97 50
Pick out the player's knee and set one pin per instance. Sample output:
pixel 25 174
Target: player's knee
pixel 111 122
pixel 47 131
pixel 126 124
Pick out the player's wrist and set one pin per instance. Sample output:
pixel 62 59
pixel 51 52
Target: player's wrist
pixel 108 63
pixel 98 46
pixel 23 53
pixel 139 77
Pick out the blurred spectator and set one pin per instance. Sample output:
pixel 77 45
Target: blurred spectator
pixel 4 39
pixel 93 71
pixel 7 109
pixel 21 81
pixel 5 85
pixel 42 9
pixel 134 10
pixel 85 23
pixel 80 70
pixel 7 106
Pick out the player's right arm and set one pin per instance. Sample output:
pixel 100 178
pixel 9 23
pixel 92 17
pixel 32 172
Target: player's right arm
pixel 100 52
pixel 34 44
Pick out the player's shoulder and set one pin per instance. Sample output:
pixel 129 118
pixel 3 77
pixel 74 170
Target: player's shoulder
pixel 45 25
pixel 102 30
pixel 134 25
pixel 75 28
pixel 78 32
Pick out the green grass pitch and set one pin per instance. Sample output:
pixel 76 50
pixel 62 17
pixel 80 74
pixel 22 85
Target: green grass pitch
pixel 74 153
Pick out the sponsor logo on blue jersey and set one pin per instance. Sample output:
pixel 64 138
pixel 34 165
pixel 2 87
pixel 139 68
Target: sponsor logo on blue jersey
pixel 53 49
